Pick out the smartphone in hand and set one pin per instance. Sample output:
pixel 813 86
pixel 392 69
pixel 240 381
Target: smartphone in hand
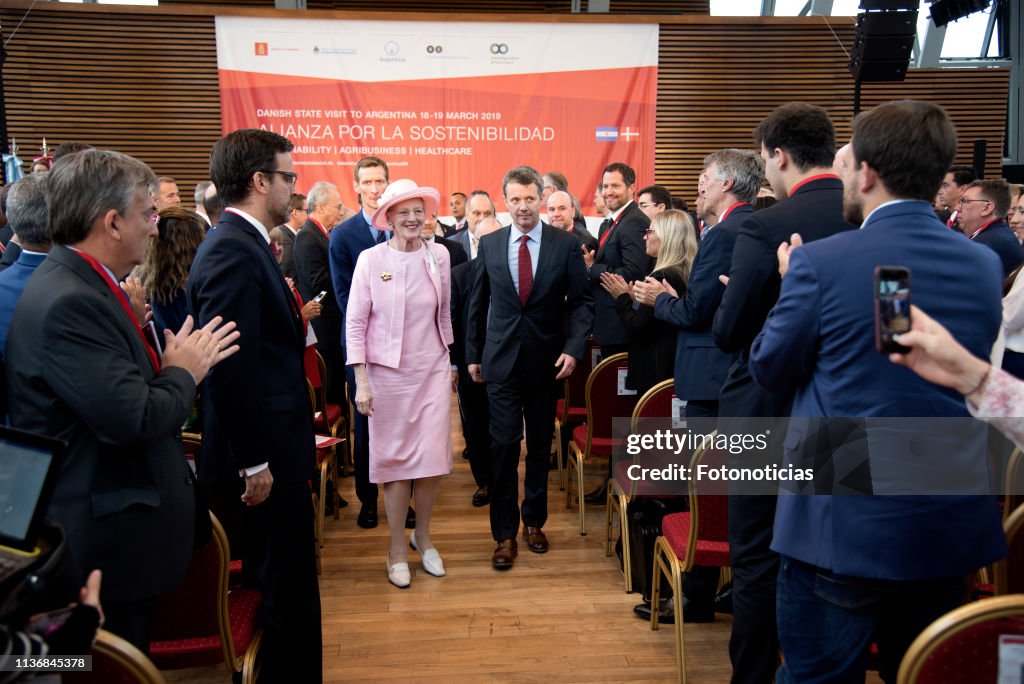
pixel 892 307
pixel 323 293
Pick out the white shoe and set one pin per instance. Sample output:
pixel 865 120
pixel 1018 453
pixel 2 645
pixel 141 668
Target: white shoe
pixel 431 558
pixel 398 574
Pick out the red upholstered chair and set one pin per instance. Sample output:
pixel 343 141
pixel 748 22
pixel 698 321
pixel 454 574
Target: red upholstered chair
pixel 326 463
pixel 595 438
pixel 699 537
pixel 201 622
pixel 962 646
pixel 193 442
pixel 571 409
pixel 330 419
pixel 115 661
pixel 1009 572
pixel 655 404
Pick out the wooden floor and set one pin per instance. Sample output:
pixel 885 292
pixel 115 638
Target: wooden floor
pixel 560 616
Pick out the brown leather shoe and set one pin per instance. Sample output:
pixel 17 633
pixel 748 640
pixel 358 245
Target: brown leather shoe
pixel 505 554
pixel 535 539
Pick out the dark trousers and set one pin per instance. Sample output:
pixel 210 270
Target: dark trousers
pixel 327 334
pixel 476 427
pixel 828 621
pixel 130 621
pixel 280 561
pixel 513 401
pixel 365 490
pixel 754 643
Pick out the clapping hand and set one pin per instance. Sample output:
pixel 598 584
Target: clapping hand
pixel 616 285
pixel 197 351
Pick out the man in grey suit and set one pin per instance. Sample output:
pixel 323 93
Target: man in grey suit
pixel 81 369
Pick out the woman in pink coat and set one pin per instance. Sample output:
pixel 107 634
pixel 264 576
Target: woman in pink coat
pixel 398 328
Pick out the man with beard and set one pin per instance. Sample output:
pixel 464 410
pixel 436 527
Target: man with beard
pixel 258 423
pixel 872 568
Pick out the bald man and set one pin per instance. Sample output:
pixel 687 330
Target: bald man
pixel 562 214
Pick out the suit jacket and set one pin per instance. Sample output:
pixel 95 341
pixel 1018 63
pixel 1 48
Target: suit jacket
pixel 819 342
pixel 12 284
pixel 701 367
pixel 462 239
pixel 347 241
pixel 463 277
pixel 313 276
pixel 125 494
pixel 999 237
pixel 255 404
pixel 585 237
pixel 287 251
pixel 501 329
pixel 623 252
pixel 376 307
pixel 815 211
pixel 457 255
pixel 11 255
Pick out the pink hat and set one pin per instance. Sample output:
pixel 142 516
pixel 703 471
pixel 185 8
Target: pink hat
pixel 400 191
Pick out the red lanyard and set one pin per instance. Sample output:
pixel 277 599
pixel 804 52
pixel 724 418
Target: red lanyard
pixel 805 181
pixel 123 299
pixel 729 211
pixel 321 227
pixel 983 228
pixel 611 227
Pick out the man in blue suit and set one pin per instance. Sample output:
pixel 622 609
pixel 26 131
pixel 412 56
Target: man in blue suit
pixel 983 208
pixel 347 241
pixel 861 568
pixel 26 211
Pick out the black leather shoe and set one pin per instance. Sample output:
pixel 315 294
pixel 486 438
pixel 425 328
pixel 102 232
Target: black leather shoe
pixel 598 496
pixel 723 602
pixel 341 502
pixel 367 516
pixel 481 497
pixel 465 454
pixel 410 519
pixel 666 616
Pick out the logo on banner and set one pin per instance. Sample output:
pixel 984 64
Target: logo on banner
pixel 607 134
pixel 391 48
pixel 628 133
pixel 434 49
pixel 261 49
pixel 499 48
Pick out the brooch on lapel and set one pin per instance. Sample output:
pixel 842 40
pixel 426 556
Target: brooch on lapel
pixel 385 276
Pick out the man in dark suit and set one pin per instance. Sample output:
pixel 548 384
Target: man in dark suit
pixel 298 214
pixel 562 214
pixel 455 251
pixel 983 208
pixel 347 241
pixel 257 419
pixel 313 276
pixel 457 204
pixel 531 280
pixel 478 207
pixel 798 146
pixel 80 369
pixel 473 406
pixel 957 178
pixel 620 250
pixel 873 568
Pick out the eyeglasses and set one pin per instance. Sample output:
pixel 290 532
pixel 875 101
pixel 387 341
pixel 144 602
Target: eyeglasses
pixel 649 232
pixel 644 205
pixel 965 201
pixel 288 176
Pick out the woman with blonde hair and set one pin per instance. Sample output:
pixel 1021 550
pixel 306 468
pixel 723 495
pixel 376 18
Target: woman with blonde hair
pixel 671 241
pixel 168 259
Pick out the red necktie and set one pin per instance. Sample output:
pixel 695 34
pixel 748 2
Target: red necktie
pixel 525 271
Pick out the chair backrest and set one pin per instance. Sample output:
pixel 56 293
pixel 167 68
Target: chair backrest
pixel 576 384
pixel 655 403
pixel 962 646
pixel 709 498
pixel 198 607
pixel 116 661
pixel 1009 572
pixel 603 399
pixel 1013 482
pixel 651 412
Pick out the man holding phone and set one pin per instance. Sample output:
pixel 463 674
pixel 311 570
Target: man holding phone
pixel 861 568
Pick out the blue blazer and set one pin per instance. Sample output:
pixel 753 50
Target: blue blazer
pixel 819 341
pixel 701 367
pixel 347 241
pixel 999 237
pixel 12 284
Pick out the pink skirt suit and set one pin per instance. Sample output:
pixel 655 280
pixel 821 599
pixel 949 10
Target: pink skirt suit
pixel 398 323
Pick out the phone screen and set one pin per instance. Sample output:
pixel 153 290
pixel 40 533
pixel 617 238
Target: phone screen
pixel 892 306
pixel 323 293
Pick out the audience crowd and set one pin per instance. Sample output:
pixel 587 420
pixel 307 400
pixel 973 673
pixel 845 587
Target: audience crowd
pixel 122 312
